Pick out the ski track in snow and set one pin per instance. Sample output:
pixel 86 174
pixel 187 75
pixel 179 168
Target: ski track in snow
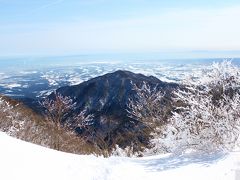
pixel 22 160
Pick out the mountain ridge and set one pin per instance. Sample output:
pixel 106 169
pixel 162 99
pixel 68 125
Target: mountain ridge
pixel 106 97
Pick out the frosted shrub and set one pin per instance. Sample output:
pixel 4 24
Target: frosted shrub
pixel 126 152
pixel 207 113
pixel 10 121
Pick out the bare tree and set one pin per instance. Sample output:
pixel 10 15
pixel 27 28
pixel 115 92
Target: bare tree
pixel 21 122
pixel 150 109
pixel 146 107
pixel 7 116
pixel 57 111
pixel 58 108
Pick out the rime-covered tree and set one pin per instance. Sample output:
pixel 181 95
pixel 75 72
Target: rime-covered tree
pixel 207 116
pixel 145 107
pixel 58 108
pixel 57 111
pixel 150 109
pixel 21 122
pixel 7 116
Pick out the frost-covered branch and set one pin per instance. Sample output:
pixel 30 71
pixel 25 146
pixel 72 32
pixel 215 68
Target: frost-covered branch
pixel 146 107
pixel 207 116
pixel 58 108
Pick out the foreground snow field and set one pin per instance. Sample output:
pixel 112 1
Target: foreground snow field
pixel 22 160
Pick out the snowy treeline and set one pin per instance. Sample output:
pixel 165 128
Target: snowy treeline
pixel 202 115
pixel 21 122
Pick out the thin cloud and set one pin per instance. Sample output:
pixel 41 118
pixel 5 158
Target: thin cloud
pixel 176 29
pixel 51 4
pixel 45 6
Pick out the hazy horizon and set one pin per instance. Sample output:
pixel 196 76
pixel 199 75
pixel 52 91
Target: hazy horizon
pixel 174 29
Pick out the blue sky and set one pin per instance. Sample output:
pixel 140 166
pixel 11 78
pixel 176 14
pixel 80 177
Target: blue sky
pixel 44 27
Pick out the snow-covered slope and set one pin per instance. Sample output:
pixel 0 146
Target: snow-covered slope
pixel 22 160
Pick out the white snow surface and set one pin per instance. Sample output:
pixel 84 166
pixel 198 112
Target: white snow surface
pixel 22 160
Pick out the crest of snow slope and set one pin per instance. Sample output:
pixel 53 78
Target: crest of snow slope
pixel 22 160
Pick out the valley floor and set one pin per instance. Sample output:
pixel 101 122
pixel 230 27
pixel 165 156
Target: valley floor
pixel 22 160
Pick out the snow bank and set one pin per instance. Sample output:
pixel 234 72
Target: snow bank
pixel 22 160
